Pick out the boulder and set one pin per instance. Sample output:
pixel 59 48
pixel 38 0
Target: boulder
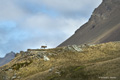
pixel 74 48
pixel 46 58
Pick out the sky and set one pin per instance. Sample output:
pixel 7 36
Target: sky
pixel 29 24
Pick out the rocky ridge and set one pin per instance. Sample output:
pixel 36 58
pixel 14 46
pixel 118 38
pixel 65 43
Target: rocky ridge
pixel 7 58
pixel 103 26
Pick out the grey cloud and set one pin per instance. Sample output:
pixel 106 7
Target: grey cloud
pixel 71 7
pixel 9 10
pixel 66 8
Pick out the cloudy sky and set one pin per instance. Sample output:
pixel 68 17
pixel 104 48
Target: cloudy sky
pixel 31 23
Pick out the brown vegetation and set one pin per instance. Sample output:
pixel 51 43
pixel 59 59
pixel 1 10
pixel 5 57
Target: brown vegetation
pixel 93 63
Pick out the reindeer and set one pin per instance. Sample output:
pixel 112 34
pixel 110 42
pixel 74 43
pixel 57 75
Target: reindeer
pixel 43 47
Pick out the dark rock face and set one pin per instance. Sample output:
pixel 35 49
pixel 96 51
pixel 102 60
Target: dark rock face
pixel 103 26
pixel 7 58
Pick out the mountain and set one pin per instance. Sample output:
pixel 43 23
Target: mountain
pixel 7 58
pixel 103 26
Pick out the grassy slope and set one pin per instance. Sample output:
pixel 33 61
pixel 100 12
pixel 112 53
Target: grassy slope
pixel 102 60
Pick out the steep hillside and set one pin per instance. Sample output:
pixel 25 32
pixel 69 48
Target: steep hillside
pixel 103 26
pixel 7 58
pixel 83 62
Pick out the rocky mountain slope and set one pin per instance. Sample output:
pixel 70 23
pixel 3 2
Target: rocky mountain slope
pixel 7 58
pixel 83 62
pixel 103 26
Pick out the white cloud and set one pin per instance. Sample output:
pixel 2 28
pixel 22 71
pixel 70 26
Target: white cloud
pixel 47 25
